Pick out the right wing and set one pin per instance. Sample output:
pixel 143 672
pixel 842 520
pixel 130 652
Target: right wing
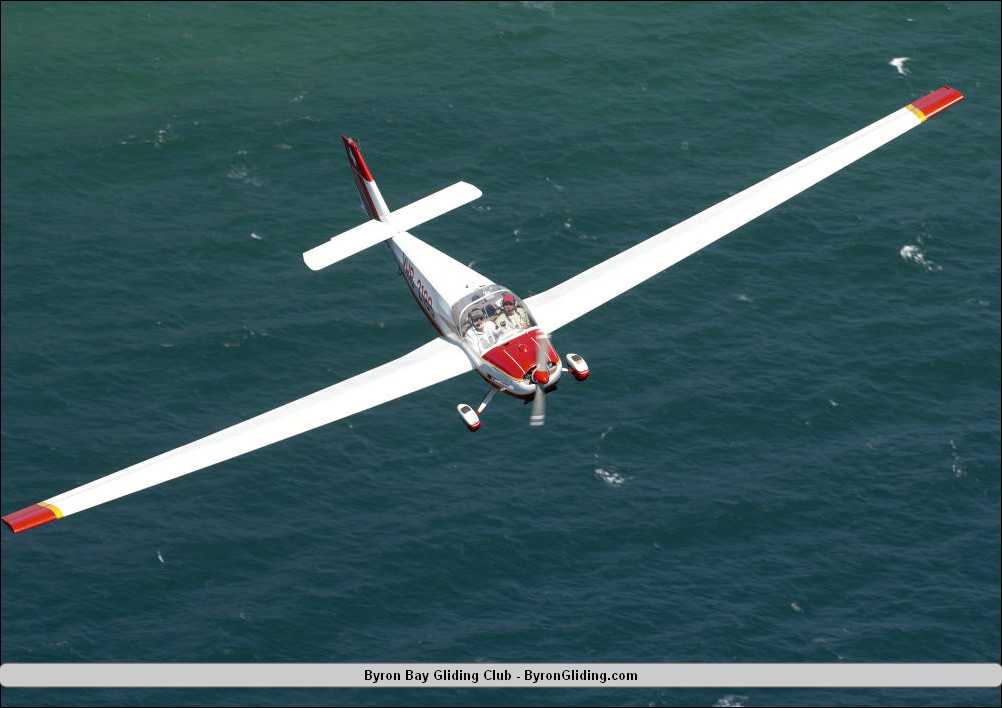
pixel 584 292
pixel 436 361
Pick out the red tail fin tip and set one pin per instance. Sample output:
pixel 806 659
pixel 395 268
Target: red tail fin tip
pixel 355 159
pixel 372 200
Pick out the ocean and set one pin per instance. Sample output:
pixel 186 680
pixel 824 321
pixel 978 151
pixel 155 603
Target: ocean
pixel 789 446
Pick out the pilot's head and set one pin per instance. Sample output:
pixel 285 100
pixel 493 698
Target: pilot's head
pixel 508 303
pixel 477 318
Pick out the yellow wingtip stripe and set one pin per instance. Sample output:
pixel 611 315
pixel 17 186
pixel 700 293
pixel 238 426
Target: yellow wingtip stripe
pixel 918 114
pixel 53 508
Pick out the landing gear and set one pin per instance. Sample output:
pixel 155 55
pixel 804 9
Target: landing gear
pixel 472 417
pixel 577 366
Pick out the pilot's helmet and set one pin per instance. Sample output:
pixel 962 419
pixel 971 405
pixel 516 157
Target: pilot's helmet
pixel 508 299
pixel 476 315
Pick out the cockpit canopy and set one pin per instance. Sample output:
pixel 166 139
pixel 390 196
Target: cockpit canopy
pixel 489 300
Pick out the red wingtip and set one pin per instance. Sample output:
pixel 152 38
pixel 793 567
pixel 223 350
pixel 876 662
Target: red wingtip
pixel 29 517
pixel 937 101
pixel 355 158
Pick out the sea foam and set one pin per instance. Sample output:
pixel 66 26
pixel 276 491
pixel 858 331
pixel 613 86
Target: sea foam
pixel 899 64
pixel 914 254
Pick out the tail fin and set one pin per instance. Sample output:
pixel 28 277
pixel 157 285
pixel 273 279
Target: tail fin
pixel 372 200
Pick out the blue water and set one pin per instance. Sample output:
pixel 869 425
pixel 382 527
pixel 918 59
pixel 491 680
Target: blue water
pixel 789 448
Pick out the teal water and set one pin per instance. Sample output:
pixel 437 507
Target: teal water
pixel 789 449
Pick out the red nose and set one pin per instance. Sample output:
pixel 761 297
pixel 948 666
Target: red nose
pixel 541 376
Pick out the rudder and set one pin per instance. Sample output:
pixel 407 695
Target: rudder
pixel 372 199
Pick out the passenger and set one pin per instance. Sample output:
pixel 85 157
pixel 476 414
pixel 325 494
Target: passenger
pixel 512 317
pixel 483 333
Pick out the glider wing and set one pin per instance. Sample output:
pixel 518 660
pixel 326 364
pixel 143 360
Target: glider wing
pixel 584 292
pixel 432 363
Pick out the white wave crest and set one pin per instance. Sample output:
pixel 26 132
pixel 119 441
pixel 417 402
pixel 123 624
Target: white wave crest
pixel 958 465
pixel 912 253
pixel 899 64
pixel 609 477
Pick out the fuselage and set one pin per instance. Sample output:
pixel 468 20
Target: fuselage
pixel 504 349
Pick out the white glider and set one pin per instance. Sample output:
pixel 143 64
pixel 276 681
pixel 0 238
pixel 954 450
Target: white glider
pixel 482 326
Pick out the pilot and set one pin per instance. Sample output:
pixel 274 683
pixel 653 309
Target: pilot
pixel 483 334
pixel 512 317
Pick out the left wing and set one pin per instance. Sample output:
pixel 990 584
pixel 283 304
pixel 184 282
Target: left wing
pixel 599 284
pixel 432 363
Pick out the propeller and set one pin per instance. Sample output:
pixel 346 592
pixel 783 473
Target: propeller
pixel 541 375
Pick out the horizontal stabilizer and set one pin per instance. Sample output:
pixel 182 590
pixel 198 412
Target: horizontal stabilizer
pixel 372 232
pixel 426 209
pixel 348 244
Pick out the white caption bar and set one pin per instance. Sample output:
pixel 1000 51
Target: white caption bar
pixel 527 675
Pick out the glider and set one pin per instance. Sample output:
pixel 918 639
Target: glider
pixel 482 326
